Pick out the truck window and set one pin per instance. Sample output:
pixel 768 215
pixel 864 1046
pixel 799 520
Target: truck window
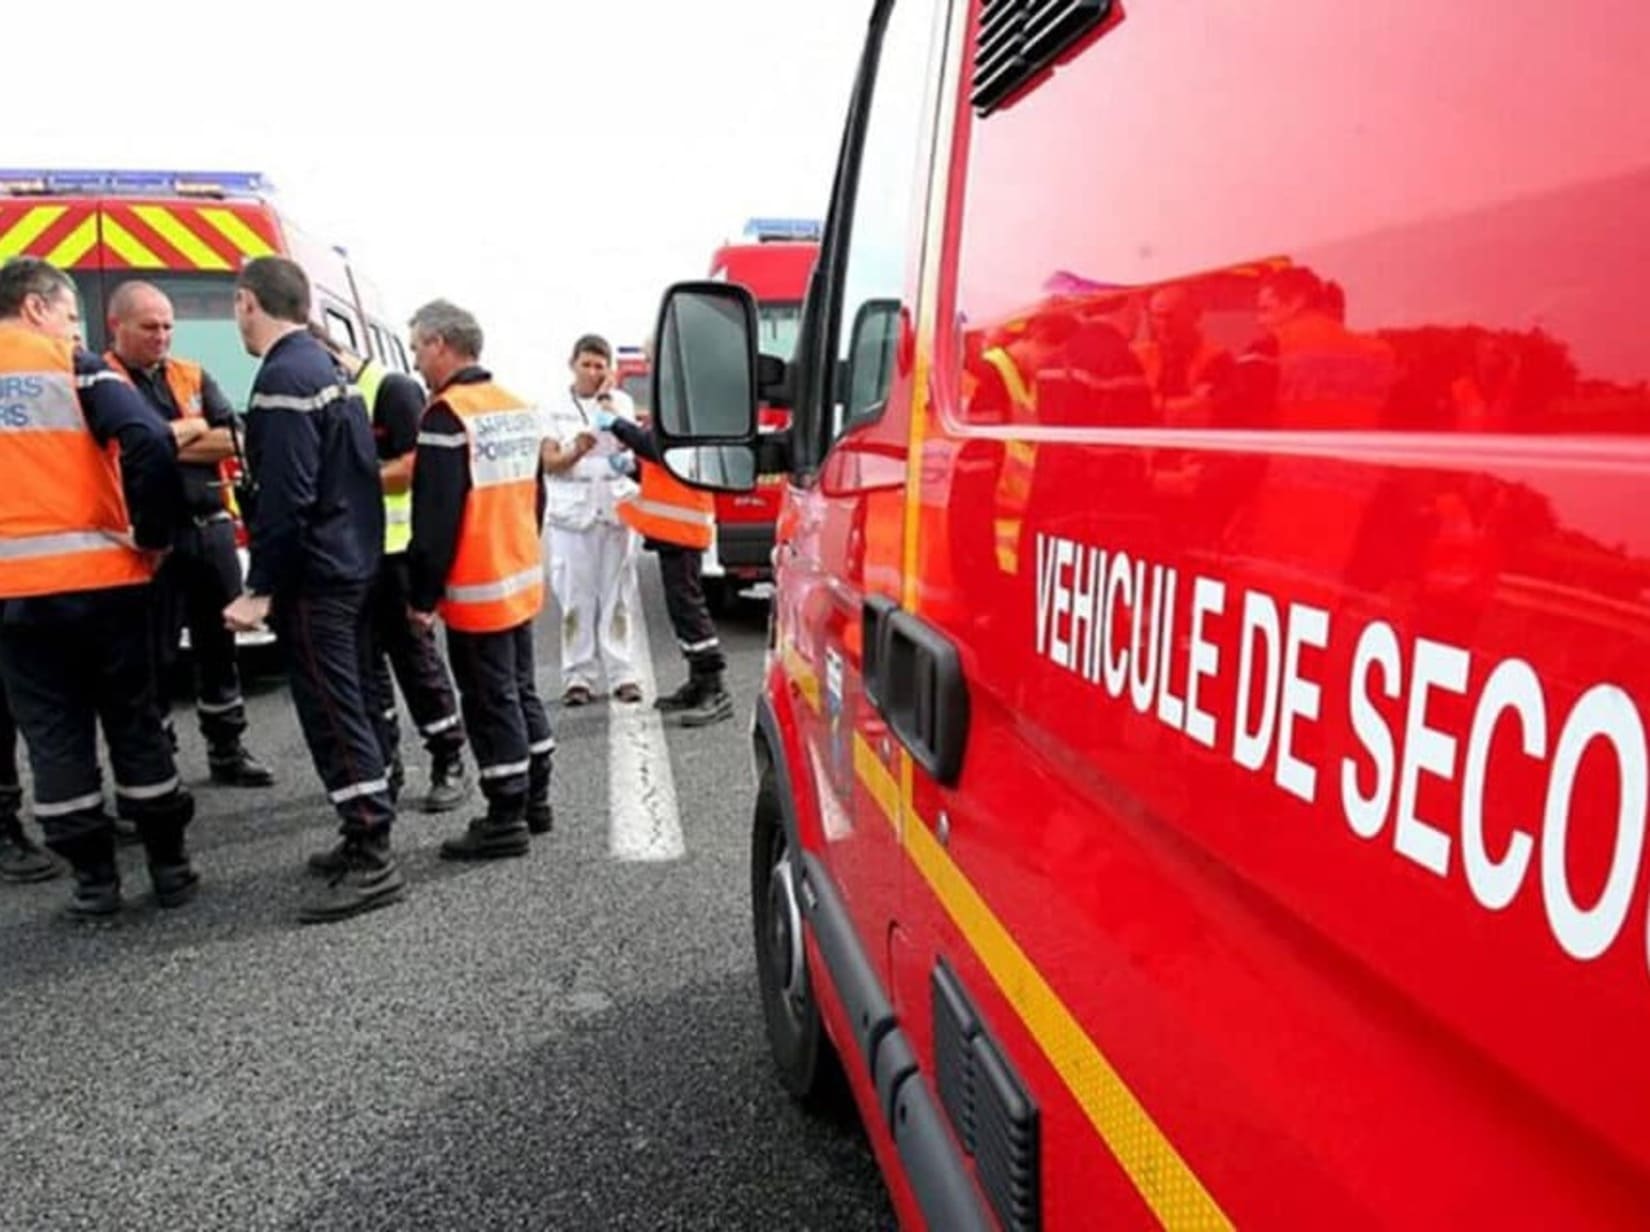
pixel 777 325
pixel 879 233
pixel 342 330
pixel 1253 257
pixel 637 386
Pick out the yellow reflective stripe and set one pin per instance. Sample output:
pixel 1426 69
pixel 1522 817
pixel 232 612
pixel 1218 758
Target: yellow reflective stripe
pixel 800 671
pixel 128 247
pixel 76 244
pixel 945 117
pixel 1164 1180
pixel 29 228
pixel 876 779
pixel 168 227
pixel 228 225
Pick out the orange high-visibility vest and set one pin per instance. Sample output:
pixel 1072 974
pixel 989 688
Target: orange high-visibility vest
pixel 497 578
pixel 183 378
pixel 186 380
pixel 63 520
pixel 669 511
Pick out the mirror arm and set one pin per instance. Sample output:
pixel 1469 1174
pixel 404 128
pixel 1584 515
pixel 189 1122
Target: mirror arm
pixel 773 382
pixel 774 452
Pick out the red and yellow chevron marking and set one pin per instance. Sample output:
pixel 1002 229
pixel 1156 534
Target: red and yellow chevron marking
pixel 64 234
pixel 166 235
pixel 135 235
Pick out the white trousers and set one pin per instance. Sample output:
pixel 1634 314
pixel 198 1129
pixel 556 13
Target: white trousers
pixel 592 573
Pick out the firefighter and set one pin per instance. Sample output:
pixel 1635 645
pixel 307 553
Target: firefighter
pixel 477 512
pixel 592 552
pixel 89 498
pixel 21 860
pixel 677 522
pixel 203 572
pixel 397 404
pixel 317 537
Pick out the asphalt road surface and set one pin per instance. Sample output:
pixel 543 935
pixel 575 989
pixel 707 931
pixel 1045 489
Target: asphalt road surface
pixel 572 1040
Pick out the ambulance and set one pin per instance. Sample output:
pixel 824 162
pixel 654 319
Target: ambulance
pixel 1201 774
pixel 772 258
pixel 187 233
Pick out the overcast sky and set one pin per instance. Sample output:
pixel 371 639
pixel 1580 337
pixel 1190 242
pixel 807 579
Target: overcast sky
pixel 549 169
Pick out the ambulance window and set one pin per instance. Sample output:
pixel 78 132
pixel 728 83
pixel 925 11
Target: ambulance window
pixel 401 354
pixel 879 232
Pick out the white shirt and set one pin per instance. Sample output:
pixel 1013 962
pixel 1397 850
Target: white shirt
pixel 590 492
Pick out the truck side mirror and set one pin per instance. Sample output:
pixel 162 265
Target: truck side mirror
pixel 705 381
pixel 705 369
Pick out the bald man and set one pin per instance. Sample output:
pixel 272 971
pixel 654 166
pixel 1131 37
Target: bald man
pixel 203 574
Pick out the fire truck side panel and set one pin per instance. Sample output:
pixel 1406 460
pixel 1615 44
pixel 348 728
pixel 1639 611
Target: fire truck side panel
pixel 1274 482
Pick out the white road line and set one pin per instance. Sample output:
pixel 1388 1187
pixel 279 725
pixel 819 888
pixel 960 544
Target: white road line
pixel 641 790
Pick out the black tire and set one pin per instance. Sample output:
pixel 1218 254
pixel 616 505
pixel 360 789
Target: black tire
pixel 802 1051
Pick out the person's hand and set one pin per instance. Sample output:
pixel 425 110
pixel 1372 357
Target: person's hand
pixel 622 463
pixel 247 613
pixel 187 430
pixel 605 419
pixel 584 442
pixel 420 622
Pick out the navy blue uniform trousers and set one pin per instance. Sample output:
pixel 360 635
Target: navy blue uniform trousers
pixel 329 654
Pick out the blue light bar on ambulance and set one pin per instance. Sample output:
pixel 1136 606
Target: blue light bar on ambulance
pixel 794 230
pixel 45 183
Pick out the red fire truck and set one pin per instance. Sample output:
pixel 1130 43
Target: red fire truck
pixel 631 367
pixel 772 259
pixel 188 234
pixel 1202 768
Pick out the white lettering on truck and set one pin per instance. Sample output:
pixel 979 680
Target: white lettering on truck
pixel 1421 731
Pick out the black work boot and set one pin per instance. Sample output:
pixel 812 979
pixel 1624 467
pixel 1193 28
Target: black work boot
pixel 124 822
pixel 170 873
pixel 365 877
pixel 233 766
pixel 714 705
pixel 541 817
pixel 685 698
pixel 500 835
pixel 331 861
pixel 21 861
pixel 96 876
pixel 449 782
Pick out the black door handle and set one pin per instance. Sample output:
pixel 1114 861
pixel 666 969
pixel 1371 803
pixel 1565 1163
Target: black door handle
pixel 913 675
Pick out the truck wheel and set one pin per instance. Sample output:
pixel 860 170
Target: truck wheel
pixel 807 1061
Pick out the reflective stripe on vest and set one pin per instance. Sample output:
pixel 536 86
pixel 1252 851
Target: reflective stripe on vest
pixel 397 505
pixel 63 520
pixel 669 511
pixel 497 578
